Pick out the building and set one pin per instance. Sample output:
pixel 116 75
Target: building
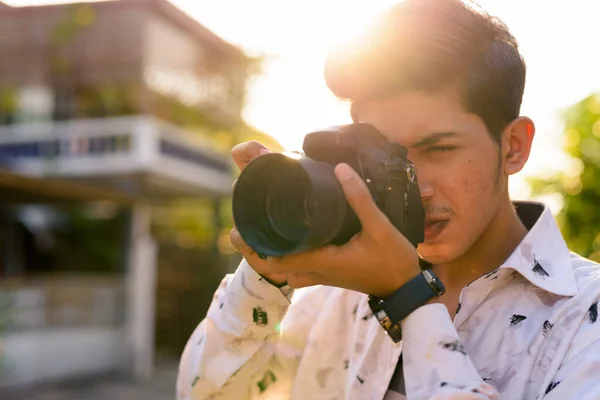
pixel 113 104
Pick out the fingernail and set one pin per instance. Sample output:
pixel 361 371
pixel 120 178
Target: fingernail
pixel 263 151
pixel 344 172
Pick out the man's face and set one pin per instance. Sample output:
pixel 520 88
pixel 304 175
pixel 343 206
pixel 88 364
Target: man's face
pixel 457 166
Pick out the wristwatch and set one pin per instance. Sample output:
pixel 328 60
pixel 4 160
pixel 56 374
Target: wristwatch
pixel 412 295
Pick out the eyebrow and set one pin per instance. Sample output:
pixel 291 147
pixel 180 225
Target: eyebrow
pixel 433 139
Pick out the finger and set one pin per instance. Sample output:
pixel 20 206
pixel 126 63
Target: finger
pixel 320 259
pixel 242 247
pixel 299 280
pixel 239 243
pixel 373 221
pixel 245 152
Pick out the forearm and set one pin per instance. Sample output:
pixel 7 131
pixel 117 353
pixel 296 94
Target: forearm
pixel 233 346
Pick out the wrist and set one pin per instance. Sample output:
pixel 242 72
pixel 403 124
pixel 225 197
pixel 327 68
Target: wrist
pixel 396 283
pixel 424 289
pixel 435 300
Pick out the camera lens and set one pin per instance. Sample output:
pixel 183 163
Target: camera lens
pixel 290 206
pixel 283 205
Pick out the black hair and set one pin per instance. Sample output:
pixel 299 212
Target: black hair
pixel 434 46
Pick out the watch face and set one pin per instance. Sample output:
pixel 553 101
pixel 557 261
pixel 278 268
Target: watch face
pixel 392 330
pixel 384 320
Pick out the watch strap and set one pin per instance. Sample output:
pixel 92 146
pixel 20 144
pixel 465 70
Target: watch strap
pixel 408 298
pixel 412 295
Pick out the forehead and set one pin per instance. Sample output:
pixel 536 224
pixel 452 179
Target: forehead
pixel 409 117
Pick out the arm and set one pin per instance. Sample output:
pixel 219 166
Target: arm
pixel 436 366
pixel 236 351
pixel 577 378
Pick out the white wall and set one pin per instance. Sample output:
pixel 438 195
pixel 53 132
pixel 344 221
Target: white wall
pixel 55 353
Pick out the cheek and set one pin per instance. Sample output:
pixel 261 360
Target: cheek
pixel 473 187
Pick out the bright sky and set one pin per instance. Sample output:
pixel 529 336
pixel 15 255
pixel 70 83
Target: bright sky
pixel 558 39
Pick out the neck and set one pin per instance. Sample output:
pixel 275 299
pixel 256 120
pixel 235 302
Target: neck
pixel 495 245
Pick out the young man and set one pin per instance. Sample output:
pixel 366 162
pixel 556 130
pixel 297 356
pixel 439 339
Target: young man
pixel 519 317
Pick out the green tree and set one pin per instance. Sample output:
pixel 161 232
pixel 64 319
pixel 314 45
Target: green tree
pixel 579 185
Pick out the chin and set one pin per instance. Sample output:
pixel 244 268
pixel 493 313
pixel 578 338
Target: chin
pixel 436 252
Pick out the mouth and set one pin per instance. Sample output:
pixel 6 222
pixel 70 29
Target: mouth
pixel 434 227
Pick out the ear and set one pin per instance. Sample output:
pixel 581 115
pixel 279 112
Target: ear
pixel 516 144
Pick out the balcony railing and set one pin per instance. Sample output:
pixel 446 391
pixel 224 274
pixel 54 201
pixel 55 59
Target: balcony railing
pixel 139 155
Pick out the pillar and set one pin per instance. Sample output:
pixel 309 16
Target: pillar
pixel 141 272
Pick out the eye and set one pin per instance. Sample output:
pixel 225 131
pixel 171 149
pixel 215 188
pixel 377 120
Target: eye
pixel 439 149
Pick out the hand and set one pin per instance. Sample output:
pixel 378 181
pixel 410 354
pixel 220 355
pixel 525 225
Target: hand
pixel 376 261
pixel 242 154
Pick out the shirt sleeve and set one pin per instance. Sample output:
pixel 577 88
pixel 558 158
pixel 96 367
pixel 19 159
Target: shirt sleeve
pixel 236 351
pixel 436 365
pixel 577 378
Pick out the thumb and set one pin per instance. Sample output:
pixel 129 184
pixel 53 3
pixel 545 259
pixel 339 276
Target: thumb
pixel 361 201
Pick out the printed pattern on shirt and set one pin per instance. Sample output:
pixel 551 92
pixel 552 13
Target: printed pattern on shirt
pixel 528 329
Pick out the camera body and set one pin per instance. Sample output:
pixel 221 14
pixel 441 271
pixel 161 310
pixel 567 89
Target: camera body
pixel 288 203
pixel 382 165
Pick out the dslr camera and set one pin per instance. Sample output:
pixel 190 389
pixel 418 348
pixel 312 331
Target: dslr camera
pixel 286 203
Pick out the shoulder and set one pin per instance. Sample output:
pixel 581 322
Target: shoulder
pixel 587 275
pixel 582 309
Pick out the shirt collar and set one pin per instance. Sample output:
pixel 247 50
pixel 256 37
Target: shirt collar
pixel 543 257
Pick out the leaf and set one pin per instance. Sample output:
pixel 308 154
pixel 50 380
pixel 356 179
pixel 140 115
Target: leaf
pixel 579 218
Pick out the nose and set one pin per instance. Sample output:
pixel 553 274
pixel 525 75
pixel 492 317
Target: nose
pixel 426 189
pixel 425 185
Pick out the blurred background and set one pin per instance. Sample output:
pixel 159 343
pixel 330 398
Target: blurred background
pixel 116 120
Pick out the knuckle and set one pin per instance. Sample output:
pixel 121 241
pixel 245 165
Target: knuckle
pixel 236 239
pixel 385 232
pixel 276 265
pixel 296 281
pixel 362 194
pixel 246 150
pixel 380 235
pixel 293 283
pixel 256 264
pixel 237 150
pixel 273 263
pixel 357 189
pixel 254 144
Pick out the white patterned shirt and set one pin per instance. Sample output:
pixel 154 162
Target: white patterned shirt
pixel 527 330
